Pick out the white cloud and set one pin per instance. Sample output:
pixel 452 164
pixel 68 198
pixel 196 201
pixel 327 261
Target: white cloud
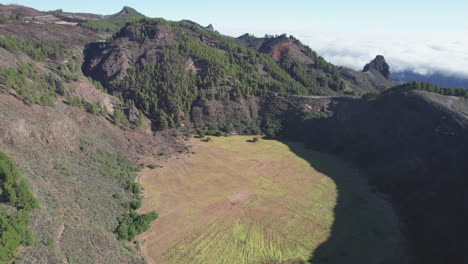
pixel 423 53
pixel 420 52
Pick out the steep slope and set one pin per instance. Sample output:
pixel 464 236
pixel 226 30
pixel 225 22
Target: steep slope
pixel 374 77
pixel 163 67
pixel 301 62
pixel 67 136
pixel 309 68
pixel 412 144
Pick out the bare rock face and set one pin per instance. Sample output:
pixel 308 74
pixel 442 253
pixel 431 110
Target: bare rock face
pixel 380 65
pixel 133 114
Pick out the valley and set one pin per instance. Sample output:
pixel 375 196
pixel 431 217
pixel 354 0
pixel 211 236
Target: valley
pixel 234 201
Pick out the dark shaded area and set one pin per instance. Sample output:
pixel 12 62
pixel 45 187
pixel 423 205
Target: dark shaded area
pixel 365 229
pixel 413 149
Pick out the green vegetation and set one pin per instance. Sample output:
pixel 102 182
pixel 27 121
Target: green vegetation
pixel 165 90
pixel 118 167
pixel 119 118
pixel 97 85
pixel 50 241
pixel 139 121
pixel 114 23
pixel 96 109
pixel 152 166
pixel 305 74
pixel 429 87
pixel 46 101
pixel 32 84
pixel 213 129
pixel 133 224
pixel 306 209
pixel 55 12
pixel 370 95
pixel 255 139
pixel 38 49
pixel 208 139
pixel 14 221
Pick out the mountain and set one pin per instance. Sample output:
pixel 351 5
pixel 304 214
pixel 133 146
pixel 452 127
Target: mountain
pixel 82 117
pixel 306 66
pixel 437 79
pixel 153 62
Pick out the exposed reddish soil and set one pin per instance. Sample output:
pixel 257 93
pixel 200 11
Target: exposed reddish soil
pixel 279 50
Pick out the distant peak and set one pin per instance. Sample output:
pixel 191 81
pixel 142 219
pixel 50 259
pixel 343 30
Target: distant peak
pixel 210 27
pixel 379 64
pixel 126 10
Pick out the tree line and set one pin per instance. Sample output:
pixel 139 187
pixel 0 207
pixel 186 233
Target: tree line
pixel 429 87
pixel 17 201
pixel 38 49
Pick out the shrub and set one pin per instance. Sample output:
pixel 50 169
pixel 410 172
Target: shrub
pixel 255 139
pixel 201 133
pixel 46 101
pixel 133 187
pixel 270 133
pixel 208 139
pixel 152 166
pixel 139 121
pixel 50 241
pixel 135 204
pixel 120 118
pixel 133 224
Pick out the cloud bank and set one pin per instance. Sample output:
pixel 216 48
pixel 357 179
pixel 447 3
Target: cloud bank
pixel 423 53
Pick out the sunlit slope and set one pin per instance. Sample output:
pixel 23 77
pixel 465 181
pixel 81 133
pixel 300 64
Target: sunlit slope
pixel 235 201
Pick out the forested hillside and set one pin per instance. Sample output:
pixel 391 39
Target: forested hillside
pixel 163 67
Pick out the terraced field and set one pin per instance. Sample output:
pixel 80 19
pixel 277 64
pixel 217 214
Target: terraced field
pixel 235 201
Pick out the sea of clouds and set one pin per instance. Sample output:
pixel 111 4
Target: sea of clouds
pixel 423 53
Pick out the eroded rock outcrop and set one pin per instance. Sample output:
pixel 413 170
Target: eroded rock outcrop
pixel 380 65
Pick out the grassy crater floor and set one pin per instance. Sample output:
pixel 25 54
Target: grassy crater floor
pixel 235 201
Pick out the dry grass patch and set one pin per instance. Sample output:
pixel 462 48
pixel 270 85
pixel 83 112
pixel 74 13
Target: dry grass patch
pixel 238 202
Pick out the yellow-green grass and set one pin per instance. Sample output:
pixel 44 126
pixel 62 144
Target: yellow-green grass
pixel 238 202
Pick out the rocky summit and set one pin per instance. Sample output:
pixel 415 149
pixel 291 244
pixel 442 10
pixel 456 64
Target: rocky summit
pixel 380 65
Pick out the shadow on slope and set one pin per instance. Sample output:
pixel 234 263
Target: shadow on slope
pixel 413 148
pixel 365 228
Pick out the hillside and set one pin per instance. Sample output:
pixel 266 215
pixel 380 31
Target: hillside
pixel 84 119
pixel 412 145
pixel 308 68
pixel 164 67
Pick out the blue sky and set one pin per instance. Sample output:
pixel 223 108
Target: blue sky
pixel 422 36
pixel 277 16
